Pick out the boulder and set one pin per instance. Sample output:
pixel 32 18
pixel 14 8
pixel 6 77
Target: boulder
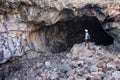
pixel 101 64
pixel 93 68
pixel 71 73
pixel 54 76
pixel 111 66
pixel 65 67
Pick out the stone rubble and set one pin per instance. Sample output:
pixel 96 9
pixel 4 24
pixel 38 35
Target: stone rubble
pixel 90 66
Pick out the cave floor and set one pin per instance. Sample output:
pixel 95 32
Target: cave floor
pixel 80 63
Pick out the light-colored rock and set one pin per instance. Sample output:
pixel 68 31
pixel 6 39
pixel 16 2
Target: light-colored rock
pixel 39 65
pixel 118 56
pixel 15 78
pixel 101 64
pixel 117 65
pixel 98 75
pixel 6 55
pixel 32 55
pixel 116 74
pixel 70 78
pixel 54 76
pixel 113 76
pixel 38 78
pixel 71 73
pixel 93 68
pixel 48 63
pixel 65 67
pixel 111 65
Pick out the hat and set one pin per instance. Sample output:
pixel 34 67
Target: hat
pixel 86 30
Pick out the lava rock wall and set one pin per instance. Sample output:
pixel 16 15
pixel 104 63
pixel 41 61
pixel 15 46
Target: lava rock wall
pixel 27 24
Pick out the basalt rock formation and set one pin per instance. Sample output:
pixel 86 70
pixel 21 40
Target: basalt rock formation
pixel 55 25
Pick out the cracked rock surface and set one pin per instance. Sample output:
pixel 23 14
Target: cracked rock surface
pixel 26 24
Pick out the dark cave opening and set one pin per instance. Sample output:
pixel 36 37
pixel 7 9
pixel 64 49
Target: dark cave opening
pixel 76 26
pixel 76 31
pixel 64 34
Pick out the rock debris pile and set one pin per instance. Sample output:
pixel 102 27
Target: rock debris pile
pixel 81 63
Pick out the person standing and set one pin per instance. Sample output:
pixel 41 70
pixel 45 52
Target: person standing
pixel 87 38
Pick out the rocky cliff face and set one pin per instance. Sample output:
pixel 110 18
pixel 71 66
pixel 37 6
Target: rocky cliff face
pixel 55 25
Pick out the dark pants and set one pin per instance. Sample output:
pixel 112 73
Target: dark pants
pixel 86 42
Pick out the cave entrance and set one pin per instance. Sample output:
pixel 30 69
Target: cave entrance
pixel 75 31
pixel 64 34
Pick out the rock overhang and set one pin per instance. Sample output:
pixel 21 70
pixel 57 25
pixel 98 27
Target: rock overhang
pixel 51 11
pixel 25 23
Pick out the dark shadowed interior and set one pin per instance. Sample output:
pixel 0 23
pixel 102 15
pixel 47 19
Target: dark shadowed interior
pixel 64 34
pixel 76 31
